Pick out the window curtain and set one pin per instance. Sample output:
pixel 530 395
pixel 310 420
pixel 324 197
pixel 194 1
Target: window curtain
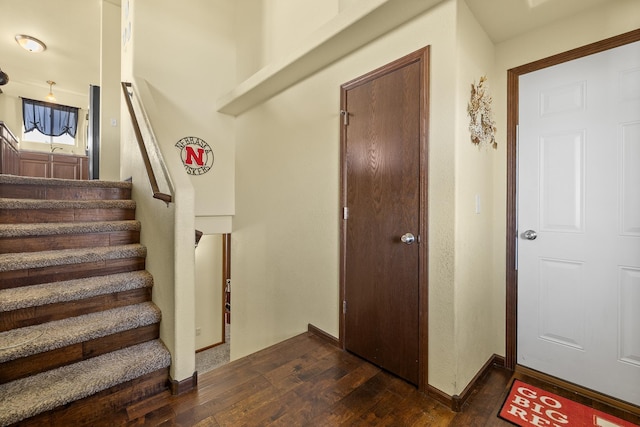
pixel 49 119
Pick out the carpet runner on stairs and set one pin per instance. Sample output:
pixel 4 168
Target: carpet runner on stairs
pixel 63 235
pixel 38 393
pixel 52 335
pixel 76 317
pixel 72 290
pixel 28 260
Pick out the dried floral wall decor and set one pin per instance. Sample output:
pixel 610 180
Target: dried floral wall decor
pixel 482 126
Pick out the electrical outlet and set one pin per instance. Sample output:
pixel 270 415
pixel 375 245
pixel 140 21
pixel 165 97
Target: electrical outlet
pixel 198 331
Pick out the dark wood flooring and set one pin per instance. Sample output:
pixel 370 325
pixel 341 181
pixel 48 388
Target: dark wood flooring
pixel 306 381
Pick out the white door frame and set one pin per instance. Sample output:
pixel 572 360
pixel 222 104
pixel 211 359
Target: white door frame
pixel 513 76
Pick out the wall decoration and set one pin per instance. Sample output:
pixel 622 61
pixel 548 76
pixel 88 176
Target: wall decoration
pixel 126 32
pixel 196 154
pixel 482 126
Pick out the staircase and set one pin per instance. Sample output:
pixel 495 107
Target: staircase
pixel 78 331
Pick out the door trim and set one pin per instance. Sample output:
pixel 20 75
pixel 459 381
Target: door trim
pixel 226 275
pixel 420 56
pixel 513 76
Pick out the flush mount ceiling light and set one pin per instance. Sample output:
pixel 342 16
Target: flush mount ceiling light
pixel 30 44
pixel 50 96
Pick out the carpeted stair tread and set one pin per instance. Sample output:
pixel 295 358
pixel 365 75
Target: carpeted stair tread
pixel 52 229
pixel 7 203
pixel 72 290
pixel 30 340
pixel 26 180
pixel 27 260
pixel 30 396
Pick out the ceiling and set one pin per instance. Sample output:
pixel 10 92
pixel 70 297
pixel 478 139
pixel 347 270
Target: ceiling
pixel 73 44
pixel 505 19
pixel 72 57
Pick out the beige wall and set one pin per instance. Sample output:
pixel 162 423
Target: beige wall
pixel 208 288
pixel 480 239
pixel 11 114
pixel 180 59
pixel 285 250
pixel 110 92
pixel 187 57
pixel 286 24
pixel 478 316
pixel 273 29
pixel 285 240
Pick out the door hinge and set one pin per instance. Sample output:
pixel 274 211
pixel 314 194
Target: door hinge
pixel 344 307
pixel 345 213
pixel 515 258
pixel 345 117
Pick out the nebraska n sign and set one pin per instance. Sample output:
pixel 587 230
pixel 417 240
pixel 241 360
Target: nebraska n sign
pixel 196 155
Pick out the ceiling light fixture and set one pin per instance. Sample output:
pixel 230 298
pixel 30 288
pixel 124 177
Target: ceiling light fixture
pixel 30 44
pixel 50 97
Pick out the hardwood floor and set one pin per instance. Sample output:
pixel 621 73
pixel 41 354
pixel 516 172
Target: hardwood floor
pixel 306 381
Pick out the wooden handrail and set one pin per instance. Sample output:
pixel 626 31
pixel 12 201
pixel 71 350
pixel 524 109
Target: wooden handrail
pixel 143 150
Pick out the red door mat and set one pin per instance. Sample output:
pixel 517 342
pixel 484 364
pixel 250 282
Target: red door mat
pixel 527 406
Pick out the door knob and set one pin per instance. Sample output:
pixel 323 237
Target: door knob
pixel 408 238
pixel 530 235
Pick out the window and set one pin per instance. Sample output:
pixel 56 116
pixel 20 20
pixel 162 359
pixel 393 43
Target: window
pixel 49 123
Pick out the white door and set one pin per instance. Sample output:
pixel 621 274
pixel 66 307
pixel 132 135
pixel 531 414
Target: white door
pixel 579 191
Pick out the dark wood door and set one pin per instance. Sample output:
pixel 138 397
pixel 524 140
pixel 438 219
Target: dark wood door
pixel 382 150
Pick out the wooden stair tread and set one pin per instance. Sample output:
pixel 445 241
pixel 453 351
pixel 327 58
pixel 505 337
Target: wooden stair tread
pixel 30 260
pixel 78 329
pixel 30 340
pixel 49 229
pixel 52 189
pixel 19 211
pixel 30 396
pixel 23 204
pixel 36 237
pixel 15 179
pixel 72 290
pixel 52 182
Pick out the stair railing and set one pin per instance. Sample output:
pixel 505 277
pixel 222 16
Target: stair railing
pixel 171 254
pixel 127 89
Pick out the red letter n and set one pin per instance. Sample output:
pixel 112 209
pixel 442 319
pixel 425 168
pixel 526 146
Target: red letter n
pixel 191 156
